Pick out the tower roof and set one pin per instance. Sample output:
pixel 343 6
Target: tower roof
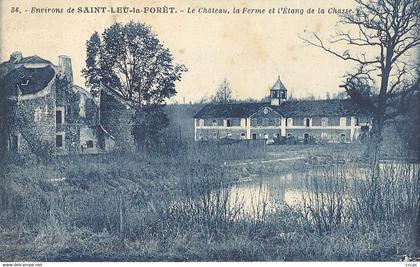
pixel 278 85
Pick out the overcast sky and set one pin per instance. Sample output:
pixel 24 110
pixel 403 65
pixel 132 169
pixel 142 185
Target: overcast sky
pixel 249 50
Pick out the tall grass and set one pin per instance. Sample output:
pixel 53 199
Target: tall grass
pixel 347 198
pixel 180 206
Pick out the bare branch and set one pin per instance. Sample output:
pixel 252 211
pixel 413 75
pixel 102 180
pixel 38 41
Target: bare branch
pixel 345 56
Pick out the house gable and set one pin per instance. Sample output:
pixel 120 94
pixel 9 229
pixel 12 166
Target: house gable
pixel 266 112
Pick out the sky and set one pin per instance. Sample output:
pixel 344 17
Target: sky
pixel 250 50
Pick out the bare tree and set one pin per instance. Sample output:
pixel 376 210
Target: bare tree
pixel 223 93
pixel 380 37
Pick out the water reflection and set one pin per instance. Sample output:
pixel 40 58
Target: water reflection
pixel 267 192
pixel 264 194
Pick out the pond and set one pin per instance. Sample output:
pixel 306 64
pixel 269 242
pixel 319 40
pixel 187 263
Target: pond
pixel 321 183
pixel 267 191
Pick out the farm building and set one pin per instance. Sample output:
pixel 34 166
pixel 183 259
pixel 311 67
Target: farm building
pixel 304 121
pixel 48 112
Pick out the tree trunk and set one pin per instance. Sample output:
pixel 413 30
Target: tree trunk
pixel 374 150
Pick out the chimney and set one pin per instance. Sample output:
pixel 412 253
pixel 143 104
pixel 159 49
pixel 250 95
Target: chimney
pixel 15 57
pixel 66 70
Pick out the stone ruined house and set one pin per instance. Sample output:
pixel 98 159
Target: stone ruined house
pixel 304 121
pixel 48 113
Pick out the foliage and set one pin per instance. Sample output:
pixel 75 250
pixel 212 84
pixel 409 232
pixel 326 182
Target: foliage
pixel 148 121
pixel 4 111
pixel 131 59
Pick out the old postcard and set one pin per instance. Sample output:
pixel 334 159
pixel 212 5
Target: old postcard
pixel 210 131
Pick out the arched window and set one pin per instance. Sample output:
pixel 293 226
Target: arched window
pixel 306 122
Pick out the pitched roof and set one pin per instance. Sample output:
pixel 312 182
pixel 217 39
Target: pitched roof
pixel 117 96
pixel 235 110
pixel 291 108
pixel 29 80
pixel 278 85
pixel 34 60
pixel 330 107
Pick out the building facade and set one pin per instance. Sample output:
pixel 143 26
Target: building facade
pixel 48 113
pixel 304 121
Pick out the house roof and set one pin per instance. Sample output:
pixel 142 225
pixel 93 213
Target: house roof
pixel 82 90
pixel 330 107
pixel 117 96
pixel 33 60
pixel 291 108
pixel 235 110
pixel 278 85
pixel 29 80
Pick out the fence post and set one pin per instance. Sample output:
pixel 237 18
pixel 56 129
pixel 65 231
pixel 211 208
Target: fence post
pixel 121 211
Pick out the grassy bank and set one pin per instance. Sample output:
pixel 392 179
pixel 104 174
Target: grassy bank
pixel 174 206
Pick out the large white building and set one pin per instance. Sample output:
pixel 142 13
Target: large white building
pixel 333 120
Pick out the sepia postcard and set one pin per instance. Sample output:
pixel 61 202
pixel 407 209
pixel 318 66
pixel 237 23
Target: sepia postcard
pixel 276 131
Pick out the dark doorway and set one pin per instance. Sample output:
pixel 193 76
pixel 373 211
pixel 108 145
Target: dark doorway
pixel 342 138
pixel 306 138
pixel 254 136
pixel 89 144
pixel 307 122
pixel 59 140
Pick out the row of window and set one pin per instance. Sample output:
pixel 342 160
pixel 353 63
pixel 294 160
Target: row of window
pixel 307 122
pixel 59 113
pixel 266 136
pixel 226 122
pixel 59 142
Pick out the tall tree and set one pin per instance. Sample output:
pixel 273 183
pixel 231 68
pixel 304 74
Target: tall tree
pixel 131 59
pixel 92 72
pixel 223 93
pixel 379 37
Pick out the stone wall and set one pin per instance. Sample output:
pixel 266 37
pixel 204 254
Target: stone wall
pixel 33 121
pixel 117 119
pixel 80 112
